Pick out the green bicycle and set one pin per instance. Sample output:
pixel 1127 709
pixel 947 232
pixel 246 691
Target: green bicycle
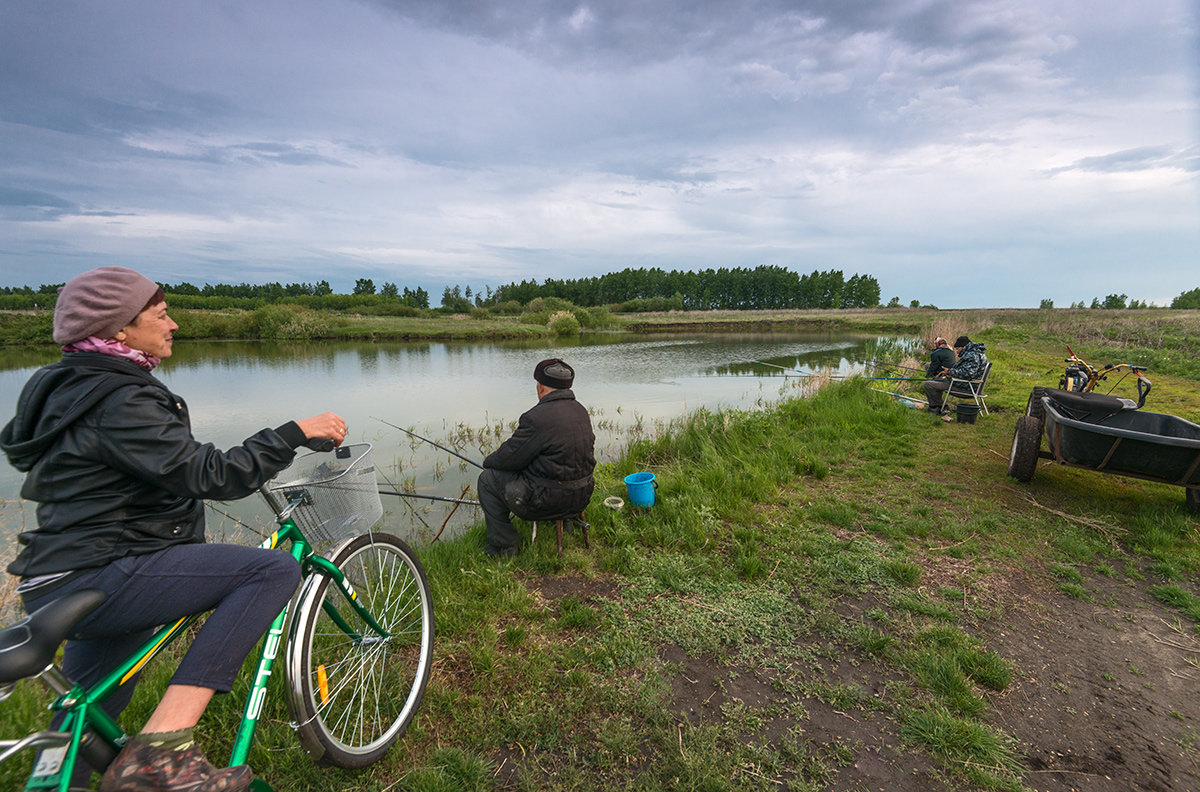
pixel 357 653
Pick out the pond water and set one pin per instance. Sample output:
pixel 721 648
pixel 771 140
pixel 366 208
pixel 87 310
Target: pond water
pixel 466 396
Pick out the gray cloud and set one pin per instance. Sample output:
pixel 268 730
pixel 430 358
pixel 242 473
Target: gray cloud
pixel 439 141
pixel 21 204
pixel 1143 158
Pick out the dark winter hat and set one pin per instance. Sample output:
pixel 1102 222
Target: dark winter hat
pixel 961 341
pixel 99 303
pixel 554 373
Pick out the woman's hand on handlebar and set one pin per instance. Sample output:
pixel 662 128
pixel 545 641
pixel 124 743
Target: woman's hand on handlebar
pixel 326 426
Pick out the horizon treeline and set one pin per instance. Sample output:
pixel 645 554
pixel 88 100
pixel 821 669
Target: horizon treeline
pixel 630 290
pixel 764 287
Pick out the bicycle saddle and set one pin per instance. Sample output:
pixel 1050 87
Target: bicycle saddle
pixel 28 646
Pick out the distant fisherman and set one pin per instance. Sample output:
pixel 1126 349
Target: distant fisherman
pixel 544 470
pixel 972 360
pixel 941 358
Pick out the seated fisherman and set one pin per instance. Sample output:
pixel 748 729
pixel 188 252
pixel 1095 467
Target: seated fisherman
pixel 545 469
pixel 942 357
pixel 970 365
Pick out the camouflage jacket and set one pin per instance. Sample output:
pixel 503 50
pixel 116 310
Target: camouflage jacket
pixel 971 362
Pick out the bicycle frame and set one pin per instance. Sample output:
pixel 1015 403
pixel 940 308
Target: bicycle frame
pixel 83 706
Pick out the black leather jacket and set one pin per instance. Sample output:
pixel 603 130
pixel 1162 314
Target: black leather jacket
pixel 112 463
pixel 553 448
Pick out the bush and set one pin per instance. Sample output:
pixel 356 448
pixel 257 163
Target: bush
pixel 208 324
pixel 27 328
pixel 481 314
pixel 285 321
pixel 394 308
pixel 563 323
pixel 549 305
pixel 508 308
pixel 600 316
pixel 651 305
pixel 535 318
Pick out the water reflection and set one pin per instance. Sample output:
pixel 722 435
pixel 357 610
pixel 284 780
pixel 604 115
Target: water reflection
pixel 466 395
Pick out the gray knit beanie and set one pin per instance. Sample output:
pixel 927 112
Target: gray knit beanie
pixel 99 303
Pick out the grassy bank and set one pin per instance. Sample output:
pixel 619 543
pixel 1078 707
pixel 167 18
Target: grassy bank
pixel 840 593
pixel 293 322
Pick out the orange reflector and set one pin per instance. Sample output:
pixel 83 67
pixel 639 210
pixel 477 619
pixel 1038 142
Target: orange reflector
pixel 323 683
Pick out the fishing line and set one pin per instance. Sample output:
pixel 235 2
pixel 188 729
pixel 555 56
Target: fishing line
pixel 785 368
pixel 228 516
pixel 402 494
pixel 427 440
pixel 412 511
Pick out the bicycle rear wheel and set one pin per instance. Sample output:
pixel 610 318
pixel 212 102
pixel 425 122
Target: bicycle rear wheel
pixel 353 691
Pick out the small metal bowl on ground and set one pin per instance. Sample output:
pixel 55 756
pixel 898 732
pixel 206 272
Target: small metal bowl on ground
pixel 613 502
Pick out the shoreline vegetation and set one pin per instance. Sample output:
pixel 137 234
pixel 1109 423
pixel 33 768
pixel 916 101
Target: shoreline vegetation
pixel 835 593
pixel 1167 339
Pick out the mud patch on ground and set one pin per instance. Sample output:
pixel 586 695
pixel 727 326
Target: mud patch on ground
pixel 1103 697
pixel 549 589
pixel 860 744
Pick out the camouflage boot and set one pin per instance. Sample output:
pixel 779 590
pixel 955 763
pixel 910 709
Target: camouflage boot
pixel 145 768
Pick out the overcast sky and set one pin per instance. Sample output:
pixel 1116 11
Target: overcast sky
pixel 964 153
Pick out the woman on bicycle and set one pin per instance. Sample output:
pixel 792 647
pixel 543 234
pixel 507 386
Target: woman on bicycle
pixel 119 481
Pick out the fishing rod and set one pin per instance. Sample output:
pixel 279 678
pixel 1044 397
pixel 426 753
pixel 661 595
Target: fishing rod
pixel 785 368
pixel 839 376
pixel 886 366
pixel 399 494
pixel 900 396
pixel 446 521
pixel 427 440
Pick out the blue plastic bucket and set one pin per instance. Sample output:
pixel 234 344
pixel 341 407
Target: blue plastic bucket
pixel 641 488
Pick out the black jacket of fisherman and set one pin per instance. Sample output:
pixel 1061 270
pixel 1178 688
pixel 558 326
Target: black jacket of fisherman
pixel 544 470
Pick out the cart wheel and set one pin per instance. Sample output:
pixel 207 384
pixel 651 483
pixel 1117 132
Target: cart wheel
pixel 1192 498
pixel 1027 440
pixel 1034 408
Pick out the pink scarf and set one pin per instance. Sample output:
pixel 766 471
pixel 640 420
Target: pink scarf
pixel 116 349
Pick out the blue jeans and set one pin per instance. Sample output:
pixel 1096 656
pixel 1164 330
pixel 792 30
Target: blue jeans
pixel 244 587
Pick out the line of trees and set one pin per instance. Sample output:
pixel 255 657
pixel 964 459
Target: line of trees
pixel 764 287
pixel 1111 302
pixel 248 296
pixel 1188 299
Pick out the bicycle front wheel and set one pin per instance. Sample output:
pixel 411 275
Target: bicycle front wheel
pixel 355 689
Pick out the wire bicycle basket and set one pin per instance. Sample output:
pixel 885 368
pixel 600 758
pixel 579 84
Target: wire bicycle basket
pixel 339 497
